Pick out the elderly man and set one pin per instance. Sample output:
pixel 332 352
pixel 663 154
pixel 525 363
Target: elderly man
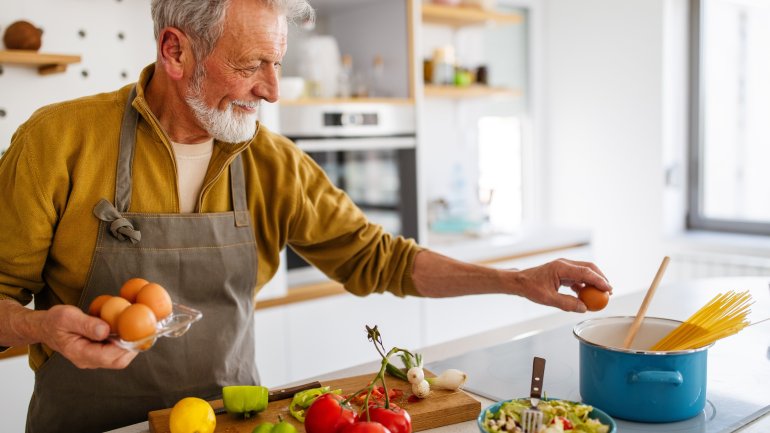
pixel 173 180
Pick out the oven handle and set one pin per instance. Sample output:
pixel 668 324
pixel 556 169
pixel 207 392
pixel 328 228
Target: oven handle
pixel 367 143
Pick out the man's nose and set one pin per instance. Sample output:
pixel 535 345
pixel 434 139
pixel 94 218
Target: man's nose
pixel 267 86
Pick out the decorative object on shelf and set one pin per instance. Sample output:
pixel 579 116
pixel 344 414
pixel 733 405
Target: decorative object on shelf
pixel 23 35
pixel 291 87
pixel 427 70
pixel 482 75
pixel 443 65
pixel 377 78
pixel 345 78
pixel 320 66
pixel 463 77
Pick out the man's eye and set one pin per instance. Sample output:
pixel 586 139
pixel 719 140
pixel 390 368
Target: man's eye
pixel 250 70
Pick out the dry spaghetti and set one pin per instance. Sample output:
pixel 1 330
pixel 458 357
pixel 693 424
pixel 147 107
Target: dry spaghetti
pixel 723 316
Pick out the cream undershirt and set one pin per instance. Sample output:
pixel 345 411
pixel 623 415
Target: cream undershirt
pixel 192 161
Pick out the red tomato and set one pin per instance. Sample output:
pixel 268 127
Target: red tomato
pixel 365 427
pixel 394 418
pixel 327 415
pixel 565 423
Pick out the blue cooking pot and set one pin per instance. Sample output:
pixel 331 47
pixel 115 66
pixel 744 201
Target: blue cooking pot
pixel 638 384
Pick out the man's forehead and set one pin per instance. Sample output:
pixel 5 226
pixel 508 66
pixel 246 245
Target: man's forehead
pixel 255 23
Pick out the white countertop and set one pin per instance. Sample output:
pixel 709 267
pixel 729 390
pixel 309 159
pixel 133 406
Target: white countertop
pixel 494 246
pixel 625 305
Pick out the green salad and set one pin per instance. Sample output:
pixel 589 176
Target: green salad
pixel 559 416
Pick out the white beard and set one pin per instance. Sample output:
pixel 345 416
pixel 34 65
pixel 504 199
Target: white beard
pixel 228 125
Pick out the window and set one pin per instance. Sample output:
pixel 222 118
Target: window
pixel 730 120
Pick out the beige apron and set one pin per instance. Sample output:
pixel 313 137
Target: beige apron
pixel 205 261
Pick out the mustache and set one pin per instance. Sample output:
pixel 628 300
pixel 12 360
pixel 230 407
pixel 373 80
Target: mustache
pixel 246 104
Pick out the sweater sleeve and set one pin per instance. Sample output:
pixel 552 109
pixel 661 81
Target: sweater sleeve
pixel 333 234
pixel 28 220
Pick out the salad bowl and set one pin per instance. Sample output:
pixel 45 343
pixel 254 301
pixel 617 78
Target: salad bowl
pixel 550 406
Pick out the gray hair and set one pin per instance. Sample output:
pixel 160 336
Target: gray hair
pixel 203 20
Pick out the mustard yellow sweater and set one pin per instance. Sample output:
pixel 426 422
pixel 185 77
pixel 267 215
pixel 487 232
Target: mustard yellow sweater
pixel 63 160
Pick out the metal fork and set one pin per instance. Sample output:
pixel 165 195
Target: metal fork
pixel 532 418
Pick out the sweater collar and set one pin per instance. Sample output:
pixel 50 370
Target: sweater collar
pixel 141 105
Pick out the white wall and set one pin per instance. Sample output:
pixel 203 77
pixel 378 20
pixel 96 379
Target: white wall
pixel 105 57
pixel 604 129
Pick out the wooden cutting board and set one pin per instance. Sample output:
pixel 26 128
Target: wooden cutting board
pixel 441 408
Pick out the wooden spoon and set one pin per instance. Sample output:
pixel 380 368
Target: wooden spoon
pixel 646 303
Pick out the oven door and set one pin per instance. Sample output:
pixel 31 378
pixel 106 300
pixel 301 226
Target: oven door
pixel 378 173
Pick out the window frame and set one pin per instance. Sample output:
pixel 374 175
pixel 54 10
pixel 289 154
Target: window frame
pixel 695 219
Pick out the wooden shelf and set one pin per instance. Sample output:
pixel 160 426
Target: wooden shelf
pixel 46 63
pixel 458 16
pixel 475 91
pixel 332 101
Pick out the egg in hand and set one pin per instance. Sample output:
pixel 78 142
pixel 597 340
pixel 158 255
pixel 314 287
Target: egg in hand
pixel 131 287
pixel 157 298
pixel 111 310
pixel 594 298
pixel 136 322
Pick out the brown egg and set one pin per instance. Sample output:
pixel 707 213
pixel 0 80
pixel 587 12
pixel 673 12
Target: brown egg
pixel 96 305
pixel 157 298
pixel 594 298
pixel 111 309
pixel 131 287
pixel 136 322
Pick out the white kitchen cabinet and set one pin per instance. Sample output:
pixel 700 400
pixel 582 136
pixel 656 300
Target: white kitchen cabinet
pixel 310 338
pixel 18 381
pixel 271 349
pixel 330 334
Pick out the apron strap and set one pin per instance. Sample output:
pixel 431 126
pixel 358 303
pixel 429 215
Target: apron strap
pixel 238 186
pixel 120 227
pixel 126 154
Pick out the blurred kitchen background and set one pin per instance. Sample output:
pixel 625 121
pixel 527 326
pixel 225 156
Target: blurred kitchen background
pixel 505 132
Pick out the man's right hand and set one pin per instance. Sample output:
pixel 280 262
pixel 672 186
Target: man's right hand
pixel 66 329
pixel 82 339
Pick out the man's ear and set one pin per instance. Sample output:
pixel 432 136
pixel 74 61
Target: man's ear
pixel 174 52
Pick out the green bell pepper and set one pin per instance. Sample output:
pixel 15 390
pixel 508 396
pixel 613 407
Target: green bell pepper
pixel 303 399
pixel 244 400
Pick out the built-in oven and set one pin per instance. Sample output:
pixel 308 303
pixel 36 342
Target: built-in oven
pixel 366 149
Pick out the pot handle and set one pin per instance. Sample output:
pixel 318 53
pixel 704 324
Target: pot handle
pixel 655 376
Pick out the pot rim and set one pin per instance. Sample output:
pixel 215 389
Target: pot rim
pixel 585 323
